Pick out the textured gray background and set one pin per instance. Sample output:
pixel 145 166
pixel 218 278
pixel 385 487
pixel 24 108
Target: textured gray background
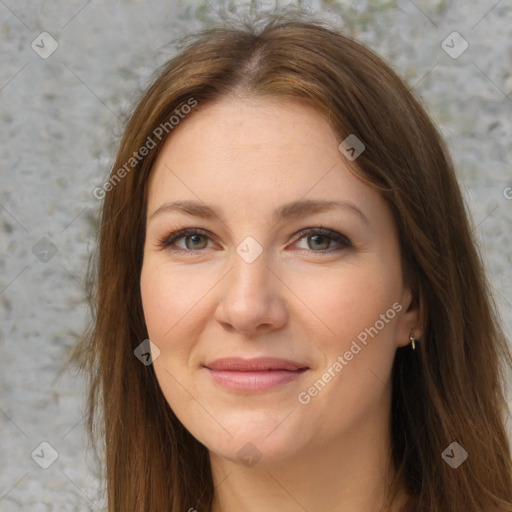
pixel 60 119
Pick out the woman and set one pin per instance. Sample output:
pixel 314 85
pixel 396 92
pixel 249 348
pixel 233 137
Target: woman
pixel 283 222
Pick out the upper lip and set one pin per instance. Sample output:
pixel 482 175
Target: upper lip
pixel 255 364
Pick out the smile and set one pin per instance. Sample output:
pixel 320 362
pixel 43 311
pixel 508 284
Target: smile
pixel 251 375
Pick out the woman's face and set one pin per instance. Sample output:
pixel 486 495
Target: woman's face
pixel 271 275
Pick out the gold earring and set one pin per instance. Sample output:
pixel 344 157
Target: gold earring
pixel 412 340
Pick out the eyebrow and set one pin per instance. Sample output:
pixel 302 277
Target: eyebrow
pixel 293 210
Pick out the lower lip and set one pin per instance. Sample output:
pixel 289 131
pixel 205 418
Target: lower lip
pixel 255 380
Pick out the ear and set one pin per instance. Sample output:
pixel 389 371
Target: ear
pixel 411 319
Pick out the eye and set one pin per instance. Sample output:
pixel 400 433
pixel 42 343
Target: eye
pixel 319 240
pixel 192 239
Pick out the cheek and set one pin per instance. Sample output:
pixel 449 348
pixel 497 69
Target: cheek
pixel 356 341
pixel 169 298
pixel 165 314
pixel 176 309
pixel 171 305
pixel 155 302
pixel 357 318
pixel 347 302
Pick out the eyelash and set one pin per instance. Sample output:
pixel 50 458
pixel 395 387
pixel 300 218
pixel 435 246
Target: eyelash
pixel 167 241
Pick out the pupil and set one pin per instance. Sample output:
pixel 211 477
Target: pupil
pixel 194 239
pixel 316 237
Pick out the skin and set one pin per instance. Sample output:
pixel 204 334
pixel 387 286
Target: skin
pixel 246 157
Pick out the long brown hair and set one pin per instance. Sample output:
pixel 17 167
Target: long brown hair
pixel 450 389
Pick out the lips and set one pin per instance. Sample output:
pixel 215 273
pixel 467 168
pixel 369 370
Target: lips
pixel 254 375
pixel 238 364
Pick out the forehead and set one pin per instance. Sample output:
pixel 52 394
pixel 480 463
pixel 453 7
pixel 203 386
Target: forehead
pixel 254 152
pixel 269 129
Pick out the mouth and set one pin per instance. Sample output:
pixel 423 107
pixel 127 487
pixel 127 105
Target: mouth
pixel 252 375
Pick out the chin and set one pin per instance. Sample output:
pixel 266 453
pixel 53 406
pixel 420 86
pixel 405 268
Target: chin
pixel 249 452
pixel 256 444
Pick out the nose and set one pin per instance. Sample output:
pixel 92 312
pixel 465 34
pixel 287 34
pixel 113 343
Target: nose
pixel 252 299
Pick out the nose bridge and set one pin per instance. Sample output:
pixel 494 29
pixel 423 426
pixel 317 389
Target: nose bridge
pixel 251 298
pixel 250 276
